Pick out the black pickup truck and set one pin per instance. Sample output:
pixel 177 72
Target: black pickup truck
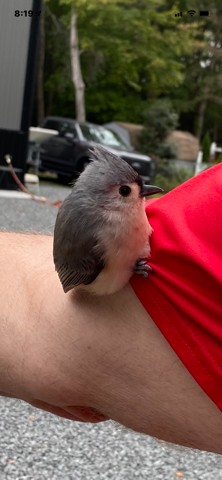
pixel 67 153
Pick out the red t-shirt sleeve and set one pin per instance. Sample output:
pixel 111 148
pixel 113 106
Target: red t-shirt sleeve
pixel 183 294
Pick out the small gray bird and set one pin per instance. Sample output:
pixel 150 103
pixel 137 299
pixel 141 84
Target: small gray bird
pixel 101 234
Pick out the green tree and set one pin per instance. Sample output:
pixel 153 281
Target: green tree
pixel 131 53
pixel 58 88
pixel 159 121
pixel 200 93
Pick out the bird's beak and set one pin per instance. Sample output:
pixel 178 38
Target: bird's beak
pixel 149 190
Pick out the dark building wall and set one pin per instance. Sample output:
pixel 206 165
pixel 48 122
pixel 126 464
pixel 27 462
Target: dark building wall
pixel 18 45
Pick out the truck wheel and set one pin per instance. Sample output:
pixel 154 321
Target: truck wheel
pixel 65 179
pixel 83 164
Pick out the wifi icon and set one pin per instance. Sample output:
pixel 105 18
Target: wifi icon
pixel 191 12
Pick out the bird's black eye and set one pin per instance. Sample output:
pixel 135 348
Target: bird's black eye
pixel 125 190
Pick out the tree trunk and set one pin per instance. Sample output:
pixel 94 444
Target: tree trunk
pixel 200 118
pixel 40 70
pixel 201 112
pixel 76 70
pixel 215 132
pixel 206 97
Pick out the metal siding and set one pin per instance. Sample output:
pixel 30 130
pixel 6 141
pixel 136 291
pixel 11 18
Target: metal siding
pixel 14 43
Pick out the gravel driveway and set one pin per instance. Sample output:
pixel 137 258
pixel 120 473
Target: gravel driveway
pixel 38 446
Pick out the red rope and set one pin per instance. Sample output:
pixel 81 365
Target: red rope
pixel 36 198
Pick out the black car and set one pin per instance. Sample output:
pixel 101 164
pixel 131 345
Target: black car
pixel 67 153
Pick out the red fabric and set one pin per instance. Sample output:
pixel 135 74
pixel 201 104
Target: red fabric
pixel 183 295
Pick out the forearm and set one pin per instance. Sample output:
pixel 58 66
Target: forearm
pixel 65 353
pixel 14 309
pixel 143 384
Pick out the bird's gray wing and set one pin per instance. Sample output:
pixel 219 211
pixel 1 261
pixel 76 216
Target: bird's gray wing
pixel 83 271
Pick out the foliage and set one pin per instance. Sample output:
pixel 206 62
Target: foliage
pixel 218 159
pixel 133 53
pixel 58 86
pixel 200 92
pixel 169 177
pixel 130 53
pixel 159 121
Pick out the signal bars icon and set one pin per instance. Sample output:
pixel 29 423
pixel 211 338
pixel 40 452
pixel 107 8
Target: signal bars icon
pixel 191 13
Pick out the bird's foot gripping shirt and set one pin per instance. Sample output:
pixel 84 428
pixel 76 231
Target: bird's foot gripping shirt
pixel 183 295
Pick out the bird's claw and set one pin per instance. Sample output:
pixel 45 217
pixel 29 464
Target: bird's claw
pixel 141 268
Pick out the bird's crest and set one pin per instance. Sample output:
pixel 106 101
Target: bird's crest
pixel 103 155
pixel 113 165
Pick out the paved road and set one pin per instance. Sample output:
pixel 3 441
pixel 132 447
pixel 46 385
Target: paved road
pixel 38 446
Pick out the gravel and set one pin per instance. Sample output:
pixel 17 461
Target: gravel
pixel 35 445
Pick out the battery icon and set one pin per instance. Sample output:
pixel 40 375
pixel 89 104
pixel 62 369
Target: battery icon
pixel 204 13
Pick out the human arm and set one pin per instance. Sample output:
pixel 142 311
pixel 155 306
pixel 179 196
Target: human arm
pixel 74 356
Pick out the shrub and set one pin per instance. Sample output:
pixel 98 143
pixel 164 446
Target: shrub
pixel 159 121
pixel 168 177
